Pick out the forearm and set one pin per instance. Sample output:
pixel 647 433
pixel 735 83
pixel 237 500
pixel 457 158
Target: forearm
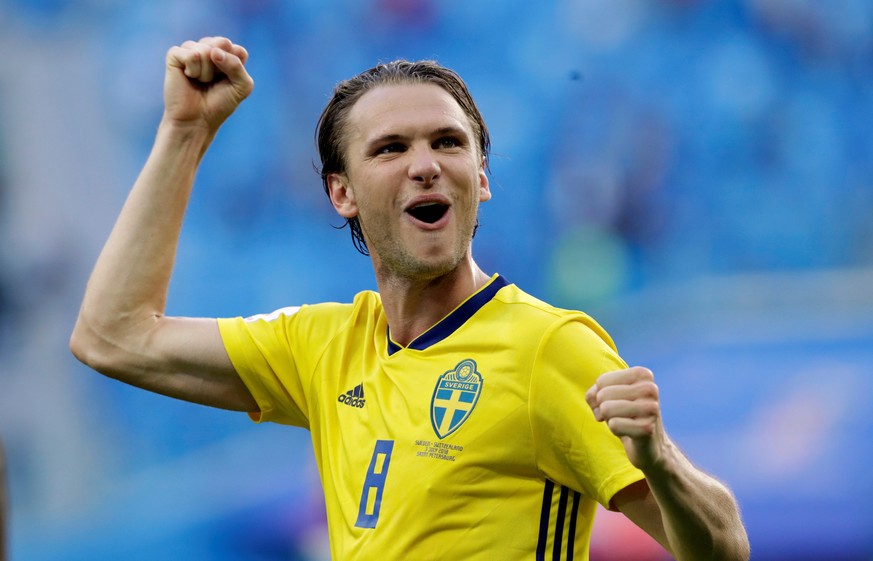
pixel 129 282
pixel 700 516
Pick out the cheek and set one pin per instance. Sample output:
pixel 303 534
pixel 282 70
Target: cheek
pixel 369 200
pixel 378 187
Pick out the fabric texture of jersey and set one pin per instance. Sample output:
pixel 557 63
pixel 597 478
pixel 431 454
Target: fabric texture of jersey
pixel 473 442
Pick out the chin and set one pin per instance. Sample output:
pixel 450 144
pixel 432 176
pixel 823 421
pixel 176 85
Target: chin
pixel 426 260
pixel 434 269
pixel 422 268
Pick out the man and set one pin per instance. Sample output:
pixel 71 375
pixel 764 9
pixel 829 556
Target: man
pixel 448 411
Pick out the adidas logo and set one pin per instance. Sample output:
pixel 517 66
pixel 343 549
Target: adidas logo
pixel 354 397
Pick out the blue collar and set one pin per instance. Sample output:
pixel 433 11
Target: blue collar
pixel 454 320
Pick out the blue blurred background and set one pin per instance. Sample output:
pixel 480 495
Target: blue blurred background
pixel 697 175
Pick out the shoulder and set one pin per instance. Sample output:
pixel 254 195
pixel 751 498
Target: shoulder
pixel 314 319
pixel 555 324
pixel 362 302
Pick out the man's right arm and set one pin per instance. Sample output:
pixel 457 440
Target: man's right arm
pixel 122 330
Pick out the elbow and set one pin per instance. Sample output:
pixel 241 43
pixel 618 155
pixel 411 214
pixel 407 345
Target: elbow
pixel 732 538
pixel 739 552
pixel 77 345
pixel 90 348
pixel 734 546
pixel 743 548
pixel 732 542
pixel 739 537
pixel 81 345
pixel 112 349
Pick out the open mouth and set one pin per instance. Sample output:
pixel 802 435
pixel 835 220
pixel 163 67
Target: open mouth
pixel 429 212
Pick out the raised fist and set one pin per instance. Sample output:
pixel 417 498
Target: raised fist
pixel 205 81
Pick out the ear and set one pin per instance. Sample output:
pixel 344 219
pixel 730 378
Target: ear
pixel 484 186
pixel 341 195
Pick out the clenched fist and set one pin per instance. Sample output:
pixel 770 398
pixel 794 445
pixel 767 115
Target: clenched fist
pixel 205 82
pixel 628 402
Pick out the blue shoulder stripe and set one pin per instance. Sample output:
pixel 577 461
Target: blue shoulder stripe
pixel 454 320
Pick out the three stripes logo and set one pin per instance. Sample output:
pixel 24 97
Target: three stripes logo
pixel 558 517
pixel 354 397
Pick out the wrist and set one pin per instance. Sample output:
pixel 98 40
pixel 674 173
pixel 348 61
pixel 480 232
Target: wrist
pixel 665 464
pixel 185 135
pixel 186 131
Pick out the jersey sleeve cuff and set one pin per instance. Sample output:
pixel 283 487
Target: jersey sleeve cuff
pixel 607 491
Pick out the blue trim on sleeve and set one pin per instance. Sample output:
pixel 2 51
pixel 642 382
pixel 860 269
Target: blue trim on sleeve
pixel 454 320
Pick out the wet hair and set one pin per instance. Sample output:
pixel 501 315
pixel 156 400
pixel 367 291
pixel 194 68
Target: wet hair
pixel 330 131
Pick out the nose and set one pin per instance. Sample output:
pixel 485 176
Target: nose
pixel 424 167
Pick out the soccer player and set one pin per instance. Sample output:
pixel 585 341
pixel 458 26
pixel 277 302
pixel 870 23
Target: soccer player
pixel 453 416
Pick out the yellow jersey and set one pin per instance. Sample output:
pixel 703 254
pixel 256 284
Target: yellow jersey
pixel 472 442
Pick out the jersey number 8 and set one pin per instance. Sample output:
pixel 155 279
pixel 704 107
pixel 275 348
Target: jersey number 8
pixel 374 484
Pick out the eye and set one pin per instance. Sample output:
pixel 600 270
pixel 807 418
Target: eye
pixel 391 148
pixel 447 142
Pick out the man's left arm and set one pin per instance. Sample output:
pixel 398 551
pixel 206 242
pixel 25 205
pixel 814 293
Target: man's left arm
pixel 694 516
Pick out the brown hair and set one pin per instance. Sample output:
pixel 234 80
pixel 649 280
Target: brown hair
pixel 331 124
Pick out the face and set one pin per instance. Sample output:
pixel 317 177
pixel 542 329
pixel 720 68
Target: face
pixel 414 178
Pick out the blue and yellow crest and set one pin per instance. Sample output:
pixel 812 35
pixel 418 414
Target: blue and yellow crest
pixel 454 397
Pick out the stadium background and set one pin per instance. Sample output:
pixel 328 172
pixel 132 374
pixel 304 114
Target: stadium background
pixel 698 175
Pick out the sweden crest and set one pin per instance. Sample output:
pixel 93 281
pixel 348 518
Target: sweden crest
pixel 454 397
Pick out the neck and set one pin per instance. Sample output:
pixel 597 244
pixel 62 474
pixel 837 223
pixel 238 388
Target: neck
pixel 413 306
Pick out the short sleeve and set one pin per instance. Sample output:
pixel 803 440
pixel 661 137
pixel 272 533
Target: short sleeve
pixel 261 350
pixel 571 446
